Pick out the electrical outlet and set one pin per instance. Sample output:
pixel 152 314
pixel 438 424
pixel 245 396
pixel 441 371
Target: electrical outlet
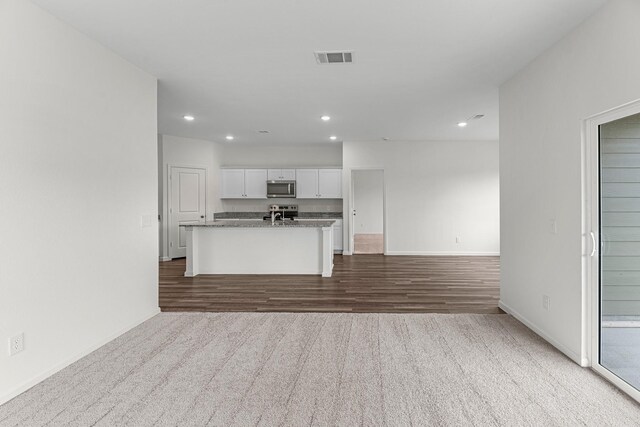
pixel 546 302
pixel 458 239
pixel 553 226
pixel 16 344
pixel 145 220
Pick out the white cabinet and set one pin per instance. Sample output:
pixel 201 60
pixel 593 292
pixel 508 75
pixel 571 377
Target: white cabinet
pixel 319 183
pixel 330 183
pixel 244 184
pixel 252 183
pixel 232 183
pixel 281 174
pixel 337 235
pixel 307 183
pixel 255 183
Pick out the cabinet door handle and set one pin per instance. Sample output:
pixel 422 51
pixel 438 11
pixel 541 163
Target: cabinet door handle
pixel 593 243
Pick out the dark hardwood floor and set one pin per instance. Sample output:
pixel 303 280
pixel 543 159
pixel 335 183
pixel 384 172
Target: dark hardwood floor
pixel 360 283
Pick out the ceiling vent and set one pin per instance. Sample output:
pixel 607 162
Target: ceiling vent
pixel 334 57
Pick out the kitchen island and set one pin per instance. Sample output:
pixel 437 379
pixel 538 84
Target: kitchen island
pixel 258 247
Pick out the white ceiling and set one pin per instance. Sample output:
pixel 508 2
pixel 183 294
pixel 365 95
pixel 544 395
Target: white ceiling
pixel 240 66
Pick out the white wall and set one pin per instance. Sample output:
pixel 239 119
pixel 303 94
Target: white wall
pixel 368 200
pixel 187 152
pixel 542 110
pixel 327 155
pixel 262 205
pixel 435 191
pixel 78 171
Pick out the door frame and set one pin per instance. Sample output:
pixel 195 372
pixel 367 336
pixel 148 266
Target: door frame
pixel 166 208
pixel 351 206
pixel 591 241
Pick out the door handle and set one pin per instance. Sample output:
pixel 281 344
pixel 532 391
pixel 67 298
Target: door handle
pixel 593 243
pixel 201 216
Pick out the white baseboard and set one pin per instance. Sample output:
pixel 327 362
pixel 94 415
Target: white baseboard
pixel 46 374
pixel 564 349
pixel 436 253
pixel 164 259
pixel 346 252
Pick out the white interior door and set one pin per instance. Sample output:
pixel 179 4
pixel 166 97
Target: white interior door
pixel 187 205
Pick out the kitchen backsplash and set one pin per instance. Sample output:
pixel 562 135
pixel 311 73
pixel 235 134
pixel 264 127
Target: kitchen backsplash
pixel 304 205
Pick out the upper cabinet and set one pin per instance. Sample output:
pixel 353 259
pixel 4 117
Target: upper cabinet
pixel 281 174
pixel 255 183
pixel 244 184
pixel 232 181
pixel 319 183
pixel 252 183
pixel 307 183
pixel 330 183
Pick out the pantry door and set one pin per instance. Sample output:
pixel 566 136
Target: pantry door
pixel 187 205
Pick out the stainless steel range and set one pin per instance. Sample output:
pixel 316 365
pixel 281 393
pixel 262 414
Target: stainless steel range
pixel 285 211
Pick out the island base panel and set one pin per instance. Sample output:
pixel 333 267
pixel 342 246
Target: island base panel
pixel 259 251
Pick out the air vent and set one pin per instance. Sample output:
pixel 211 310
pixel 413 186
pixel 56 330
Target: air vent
pixel 334 57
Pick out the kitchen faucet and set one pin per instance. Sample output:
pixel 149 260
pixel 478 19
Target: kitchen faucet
pixel 274 215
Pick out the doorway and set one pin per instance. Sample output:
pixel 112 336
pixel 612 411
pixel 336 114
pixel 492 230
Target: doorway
pixel 614 253
pixel 367 231
pixel 187 205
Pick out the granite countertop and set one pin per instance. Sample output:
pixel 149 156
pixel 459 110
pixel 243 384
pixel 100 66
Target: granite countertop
pixel 320 215
pixel 259 215
pixel 239 215
pixel 264 224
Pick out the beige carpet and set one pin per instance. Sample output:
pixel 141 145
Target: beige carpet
pixel 273 369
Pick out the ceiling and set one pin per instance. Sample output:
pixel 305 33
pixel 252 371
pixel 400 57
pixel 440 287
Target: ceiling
pixel 240 66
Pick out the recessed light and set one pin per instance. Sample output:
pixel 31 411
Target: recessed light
pixel 462 124
pixel 325 118
pixel 229 137
pixel 189 118
pixel 333 137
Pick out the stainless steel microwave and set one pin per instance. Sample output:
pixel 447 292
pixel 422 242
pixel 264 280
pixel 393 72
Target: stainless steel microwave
pixel 281 189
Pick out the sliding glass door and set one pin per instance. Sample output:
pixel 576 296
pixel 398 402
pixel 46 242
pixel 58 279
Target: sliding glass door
pixel 619 237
